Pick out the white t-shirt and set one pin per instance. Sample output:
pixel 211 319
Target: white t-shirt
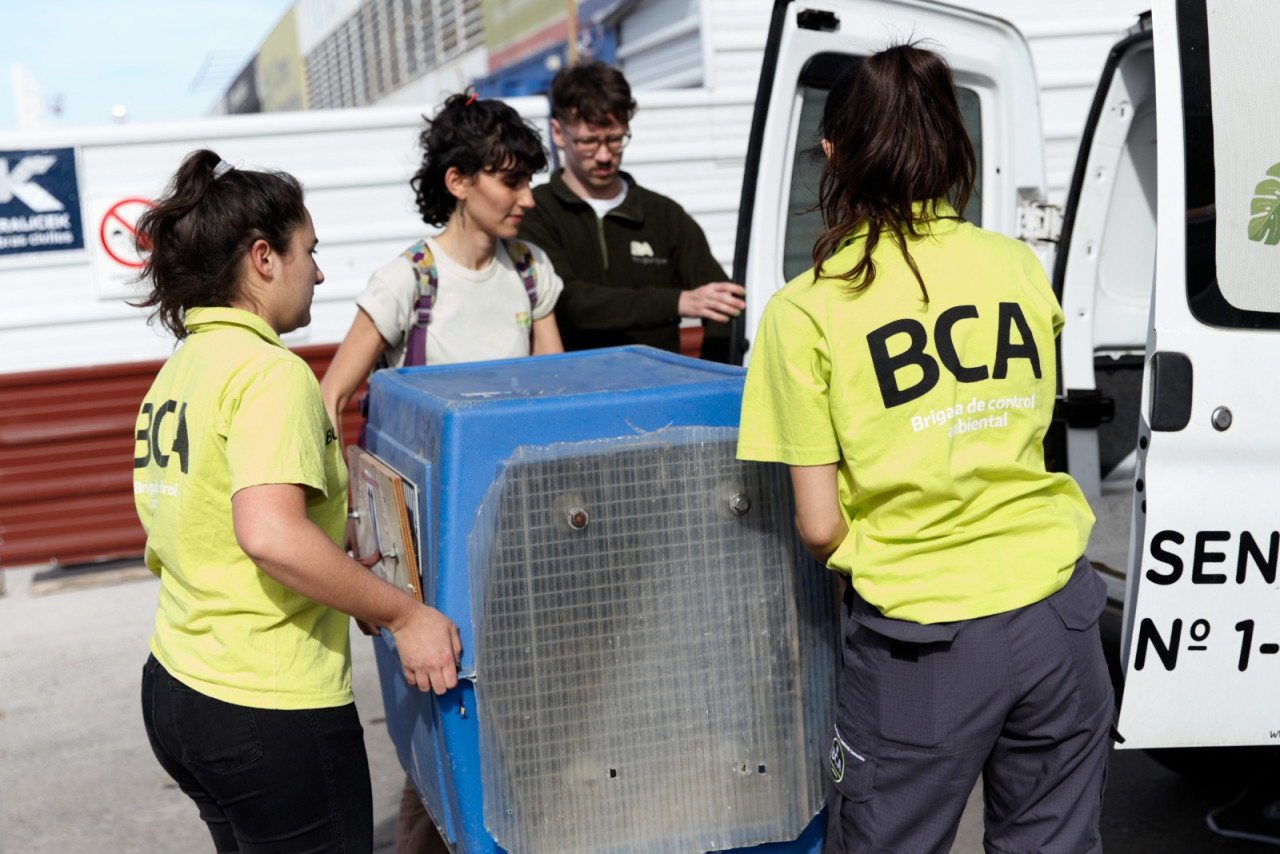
pixel 477 315
pixel 603 206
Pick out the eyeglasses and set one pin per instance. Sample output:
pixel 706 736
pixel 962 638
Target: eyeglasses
pixel 588 146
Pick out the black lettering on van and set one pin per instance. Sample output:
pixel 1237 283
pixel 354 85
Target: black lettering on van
pixel 1203 556
pixel 1248 552
pixel 1149 635
pixel 1159 552
pixel 1266 565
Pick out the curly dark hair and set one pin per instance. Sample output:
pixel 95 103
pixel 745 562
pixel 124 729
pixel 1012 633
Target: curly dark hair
pixel 897 137
pixel 472 135
pixel 196 236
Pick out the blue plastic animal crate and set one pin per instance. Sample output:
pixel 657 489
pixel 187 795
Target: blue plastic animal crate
pixel 648 654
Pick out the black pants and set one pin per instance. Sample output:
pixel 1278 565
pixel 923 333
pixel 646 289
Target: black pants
pixel 265 780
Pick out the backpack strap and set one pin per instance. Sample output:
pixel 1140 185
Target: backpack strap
pixel 424 272
pixel 522 260
pixel 415 350
pixel 427 283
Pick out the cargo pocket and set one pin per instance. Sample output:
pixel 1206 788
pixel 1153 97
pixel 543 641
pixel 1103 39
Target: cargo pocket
pixel 1080 602
pixel 1078 605
pixel 900 692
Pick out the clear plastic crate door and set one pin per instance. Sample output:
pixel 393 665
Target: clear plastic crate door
pixel 655 653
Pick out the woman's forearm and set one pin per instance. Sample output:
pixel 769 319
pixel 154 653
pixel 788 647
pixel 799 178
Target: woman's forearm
pixel 272 528
pixel 819 522
pixel 546 336
pixel 356 356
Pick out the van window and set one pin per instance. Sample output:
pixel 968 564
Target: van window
pixel 1231 293
pixel 804 223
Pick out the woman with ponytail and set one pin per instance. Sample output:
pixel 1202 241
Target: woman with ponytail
pixel 240 485
pixel 908 380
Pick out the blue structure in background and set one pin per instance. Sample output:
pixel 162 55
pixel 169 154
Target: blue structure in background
pixel 532 75
pixel 460 435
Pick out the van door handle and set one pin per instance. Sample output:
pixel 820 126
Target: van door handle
pixel 1084 408
pixel 1171 382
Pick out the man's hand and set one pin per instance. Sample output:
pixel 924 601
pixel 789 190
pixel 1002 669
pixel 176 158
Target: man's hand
pixel 714 301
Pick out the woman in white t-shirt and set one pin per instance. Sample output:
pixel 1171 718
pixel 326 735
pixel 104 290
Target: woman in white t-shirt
pixel 472 292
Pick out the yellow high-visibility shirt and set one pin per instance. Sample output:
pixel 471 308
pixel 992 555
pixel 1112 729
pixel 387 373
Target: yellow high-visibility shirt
pixel 234 408
pixel 935 413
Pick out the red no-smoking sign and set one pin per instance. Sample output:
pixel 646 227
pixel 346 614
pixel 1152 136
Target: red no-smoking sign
pixel 118 233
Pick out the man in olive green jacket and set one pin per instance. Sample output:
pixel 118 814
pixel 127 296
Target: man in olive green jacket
pixel 633 261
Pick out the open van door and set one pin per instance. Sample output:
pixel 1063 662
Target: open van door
pixel 1202 617
pixel 810 45
pixel 1102 276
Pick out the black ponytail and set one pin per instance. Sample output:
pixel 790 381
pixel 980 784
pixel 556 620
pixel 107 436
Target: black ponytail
pixel 197 235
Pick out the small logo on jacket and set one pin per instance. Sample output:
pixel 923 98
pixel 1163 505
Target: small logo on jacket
pixel 642 253
pixel 330 436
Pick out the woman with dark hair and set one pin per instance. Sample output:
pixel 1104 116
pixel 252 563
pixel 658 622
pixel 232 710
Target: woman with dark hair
pixel 908 381
pixel 242 490
pixel 473 292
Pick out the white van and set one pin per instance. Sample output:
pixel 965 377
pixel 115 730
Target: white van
pixel 1164 418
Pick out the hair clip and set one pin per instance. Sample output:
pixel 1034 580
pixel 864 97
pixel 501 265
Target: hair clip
pixel 221 169
pixel 470 100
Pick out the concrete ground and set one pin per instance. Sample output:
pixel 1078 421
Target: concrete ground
pixel 76 772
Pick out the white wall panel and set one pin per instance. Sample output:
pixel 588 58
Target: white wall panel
pixel 355 165
pixel 660 44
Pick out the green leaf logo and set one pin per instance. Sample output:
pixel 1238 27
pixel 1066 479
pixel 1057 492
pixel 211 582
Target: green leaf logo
pixel 1265 225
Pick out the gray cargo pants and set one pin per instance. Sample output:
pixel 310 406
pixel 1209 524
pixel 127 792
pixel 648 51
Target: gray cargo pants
pixel 1022 698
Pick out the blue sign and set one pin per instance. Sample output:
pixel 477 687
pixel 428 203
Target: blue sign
pixel 39 201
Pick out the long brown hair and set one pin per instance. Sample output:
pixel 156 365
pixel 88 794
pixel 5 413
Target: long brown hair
pixel 896 137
